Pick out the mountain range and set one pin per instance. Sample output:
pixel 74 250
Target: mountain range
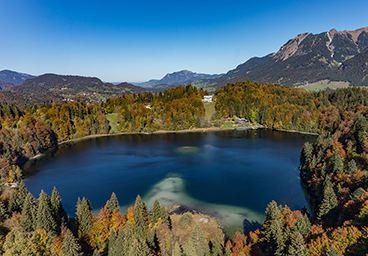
pixel 332 55
pixel 307 58
pixel 183 77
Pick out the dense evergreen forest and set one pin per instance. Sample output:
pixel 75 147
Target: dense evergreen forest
pixel 333 170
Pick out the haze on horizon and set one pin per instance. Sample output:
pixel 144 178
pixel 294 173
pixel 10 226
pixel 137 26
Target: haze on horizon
pixel 135 41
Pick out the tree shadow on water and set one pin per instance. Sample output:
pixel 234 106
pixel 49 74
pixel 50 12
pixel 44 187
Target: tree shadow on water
pixel 250 226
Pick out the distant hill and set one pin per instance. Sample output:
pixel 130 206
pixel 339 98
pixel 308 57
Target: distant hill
pixel 183 77
pixel 13 78
pixel 232 74
pixel 4 85
pixel 52 88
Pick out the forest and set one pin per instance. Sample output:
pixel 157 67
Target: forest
pixel 333 171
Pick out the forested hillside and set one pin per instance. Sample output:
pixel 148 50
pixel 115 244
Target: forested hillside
pixel 333 170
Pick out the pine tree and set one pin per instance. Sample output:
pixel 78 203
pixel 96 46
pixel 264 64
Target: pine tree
pixel 14 202
pixel 189 249
pixel 272 230
pixel 352 167
pixel 118 247
pixel 70 245
pixel 216 248
pixel 113 203
pixel 199 241
pixel 297 246
pixel 44 218
pixel 128 237
pixel 22 188
pixel 302 225
pixel 112 240
pixel 140 218
pixel 58 211
pixel 177 250
pixel 156 212
pixel 328 206
pixel 28 219
pixel 3 212
pixel 83 217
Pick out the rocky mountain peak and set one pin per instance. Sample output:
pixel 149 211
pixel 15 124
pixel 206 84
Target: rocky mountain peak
pixel 290 48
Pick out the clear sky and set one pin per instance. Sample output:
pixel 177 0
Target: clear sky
pixel 139 40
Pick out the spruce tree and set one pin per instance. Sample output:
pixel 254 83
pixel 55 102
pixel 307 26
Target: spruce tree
pixel 352 167
pixel 14 202
pixel 83 217
pixel 199 241
pixel 328 206
pixel 302 225
pixel 58 211
pixel 189 249
pixel 70 245
pixel 22 188
pixel 272 230
pixel 164 216
pixel 128 237
pixel 297 246
pixel 44 218
pixel 112 240
pixel 28 218
pixel 3 212
pixel 216 247
pixel 177 250
pixel 113 203
pixel 156 212
pixel 117 248
pixel 332 252
pixel 140 218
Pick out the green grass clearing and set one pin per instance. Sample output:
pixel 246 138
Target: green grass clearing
pixel 324 84
pixel 227 125
pixel 209 109
pixel 113 122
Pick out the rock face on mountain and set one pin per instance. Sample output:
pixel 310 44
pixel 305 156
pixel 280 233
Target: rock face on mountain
pixel 309 57
pixel 306 58
pixel 183 77
pixel 12 77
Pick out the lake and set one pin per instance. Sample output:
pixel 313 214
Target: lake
pixel 232 175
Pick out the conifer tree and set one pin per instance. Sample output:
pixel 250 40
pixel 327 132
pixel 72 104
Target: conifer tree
pixel 352 167
pixel 216 248
pixel 112 240
pixel 164 216
pixel 70 245
pixel 328 206
pixel 28 219
pixel 272 230
pixel 156 212
pixel 177 250
pixel 113 203
pixel 44 218
pixel 22 188
pixel 189 249
pixel 118 247
pixel 297 246
pixel 83 217
pixel 58 211
pixel 302 225
pixel 3 212
pixel 227 252
pixel 14 202
pixel 332 252
pixel 140 218
pixel 128 237
pixel 199 241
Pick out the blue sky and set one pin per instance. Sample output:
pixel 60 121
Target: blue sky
pixel 136 41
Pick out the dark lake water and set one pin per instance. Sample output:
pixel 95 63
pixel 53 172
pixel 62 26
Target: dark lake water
pixel 230 174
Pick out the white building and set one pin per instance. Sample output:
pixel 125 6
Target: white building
pixel 207 98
